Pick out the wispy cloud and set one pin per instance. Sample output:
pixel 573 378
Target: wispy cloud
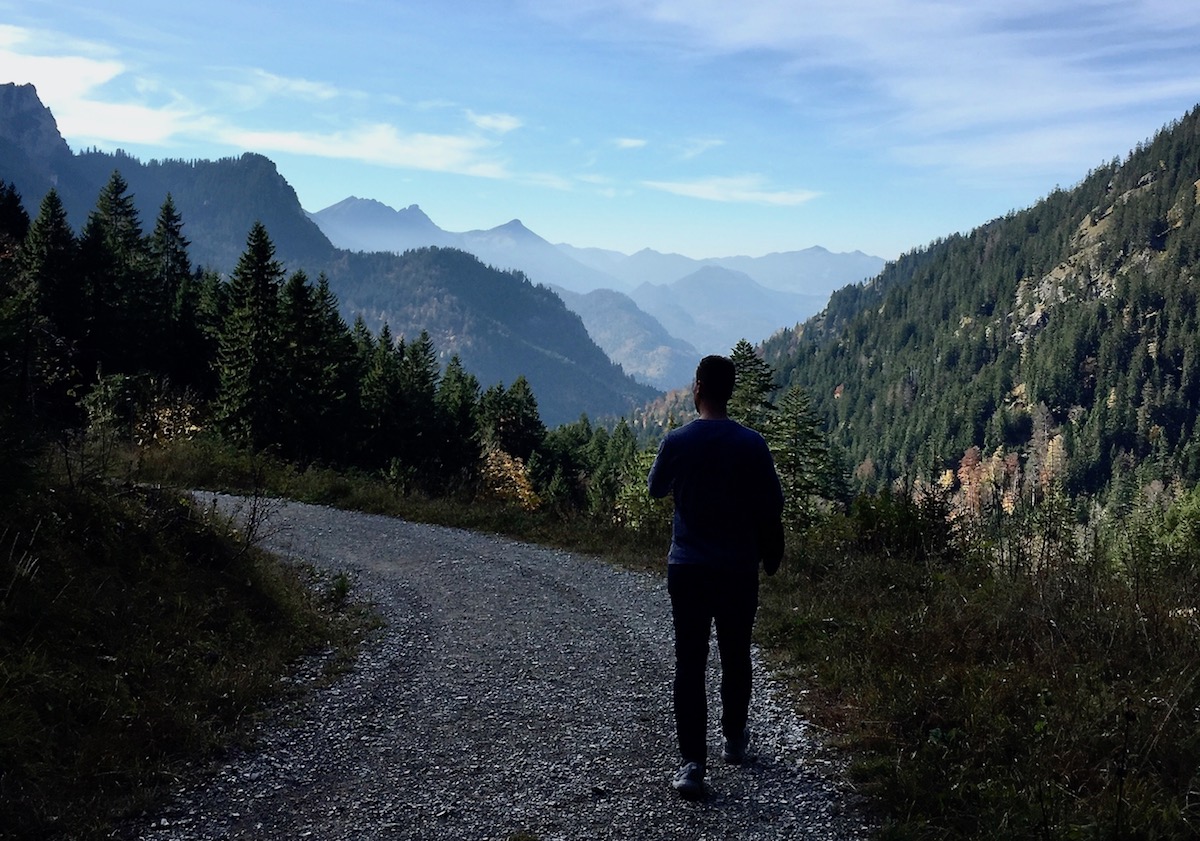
pixel 62 77
pixel 499 123
pixel 74 87
pixel 746 189
pixel 380 144
pixel 930 73
pixel 72 84
pixel 629 143
pixel 253 87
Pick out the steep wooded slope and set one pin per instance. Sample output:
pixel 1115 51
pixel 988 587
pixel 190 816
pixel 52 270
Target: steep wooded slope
pixel 1058 343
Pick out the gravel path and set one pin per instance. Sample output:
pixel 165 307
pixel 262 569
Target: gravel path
pixel 515 689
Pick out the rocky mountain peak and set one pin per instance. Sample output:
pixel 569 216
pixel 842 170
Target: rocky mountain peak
pixel 29 125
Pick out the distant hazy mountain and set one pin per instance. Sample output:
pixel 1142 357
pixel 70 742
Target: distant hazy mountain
pixel 502 325
pixel 367 225
pixel 714 307
pixel 513 246
pixel 811 271
pixel 783 288
pixel 633 338
pixel 361 224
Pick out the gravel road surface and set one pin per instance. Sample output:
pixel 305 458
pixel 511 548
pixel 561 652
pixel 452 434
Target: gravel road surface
pixel 516 691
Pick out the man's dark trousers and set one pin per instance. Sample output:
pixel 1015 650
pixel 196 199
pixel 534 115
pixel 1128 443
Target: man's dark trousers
pixel 702 595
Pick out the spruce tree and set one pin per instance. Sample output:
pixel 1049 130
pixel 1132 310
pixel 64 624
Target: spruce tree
pixel 52 325
pixel 301 367
pixel 124 316
pixel 14 221
pixel 807 468
pixel 612 468
pixel 173 298
pixel 381 400
pixel 337 358
pixel 510 420
pixel 750 404
pixel 17 312
pixel 416 446
pixel 250 388
pixel 459 442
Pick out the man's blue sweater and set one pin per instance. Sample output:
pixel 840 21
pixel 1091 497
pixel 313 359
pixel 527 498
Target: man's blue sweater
pixel 725 488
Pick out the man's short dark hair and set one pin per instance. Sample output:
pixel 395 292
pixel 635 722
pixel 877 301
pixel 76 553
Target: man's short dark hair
pixel 717 373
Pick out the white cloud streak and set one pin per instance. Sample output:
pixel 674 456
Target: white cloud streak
pixel 745 189
pixel 255 87
pixel 498 123
pixel 72 86
pixel 379 144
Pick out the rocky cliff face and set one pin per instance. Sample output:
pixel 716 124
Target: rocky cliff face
pixel 29 125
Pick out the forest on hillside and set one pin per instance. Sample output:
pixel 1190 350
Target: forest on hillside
pixel 116 327
pixel 1056 345
pixel 116 323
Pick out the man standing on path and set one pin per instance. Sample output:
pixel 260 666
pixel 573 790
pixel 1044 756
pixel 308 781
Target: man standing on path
pixel 726 491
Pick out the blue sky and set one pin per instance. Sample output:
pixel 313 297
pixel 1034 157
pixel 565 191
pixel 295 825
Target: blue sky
pixel 704 127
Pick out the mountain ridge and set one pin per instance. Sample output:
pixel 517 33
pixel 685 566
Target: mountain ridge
pixel 501 325
pixel 512 245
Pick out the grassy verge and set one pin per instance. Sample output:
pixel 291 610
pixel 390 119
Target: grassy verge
pixel 137 636
pixel 1022 681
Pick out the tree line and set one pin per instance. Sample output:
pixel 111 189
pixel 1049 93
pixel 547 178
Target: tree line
pixel 262 357
pixel 120 322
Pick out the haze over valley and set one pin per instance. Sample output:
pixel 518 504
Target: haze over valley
pixel 654 314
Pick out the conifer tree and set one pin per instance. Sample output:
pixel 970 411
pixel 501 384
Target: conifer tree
pixel 459 444
pixel 416 444
pixel 249 385
pixel 564 463
pixel 807 468
pixel 123 314
pixel 17 311
pixel 612 468
pixel 381 400
pixel 49 263
pixel 52 318
pixel 750 404
pixel 174 298
pixel 340 374
pixel 510 420
pixel 14 221
pixel 17 302
pixel 301 367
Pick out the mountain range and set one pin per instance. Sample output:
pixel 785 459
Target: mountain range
pixel 652 314
pixel 688 307
pixel 500 324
